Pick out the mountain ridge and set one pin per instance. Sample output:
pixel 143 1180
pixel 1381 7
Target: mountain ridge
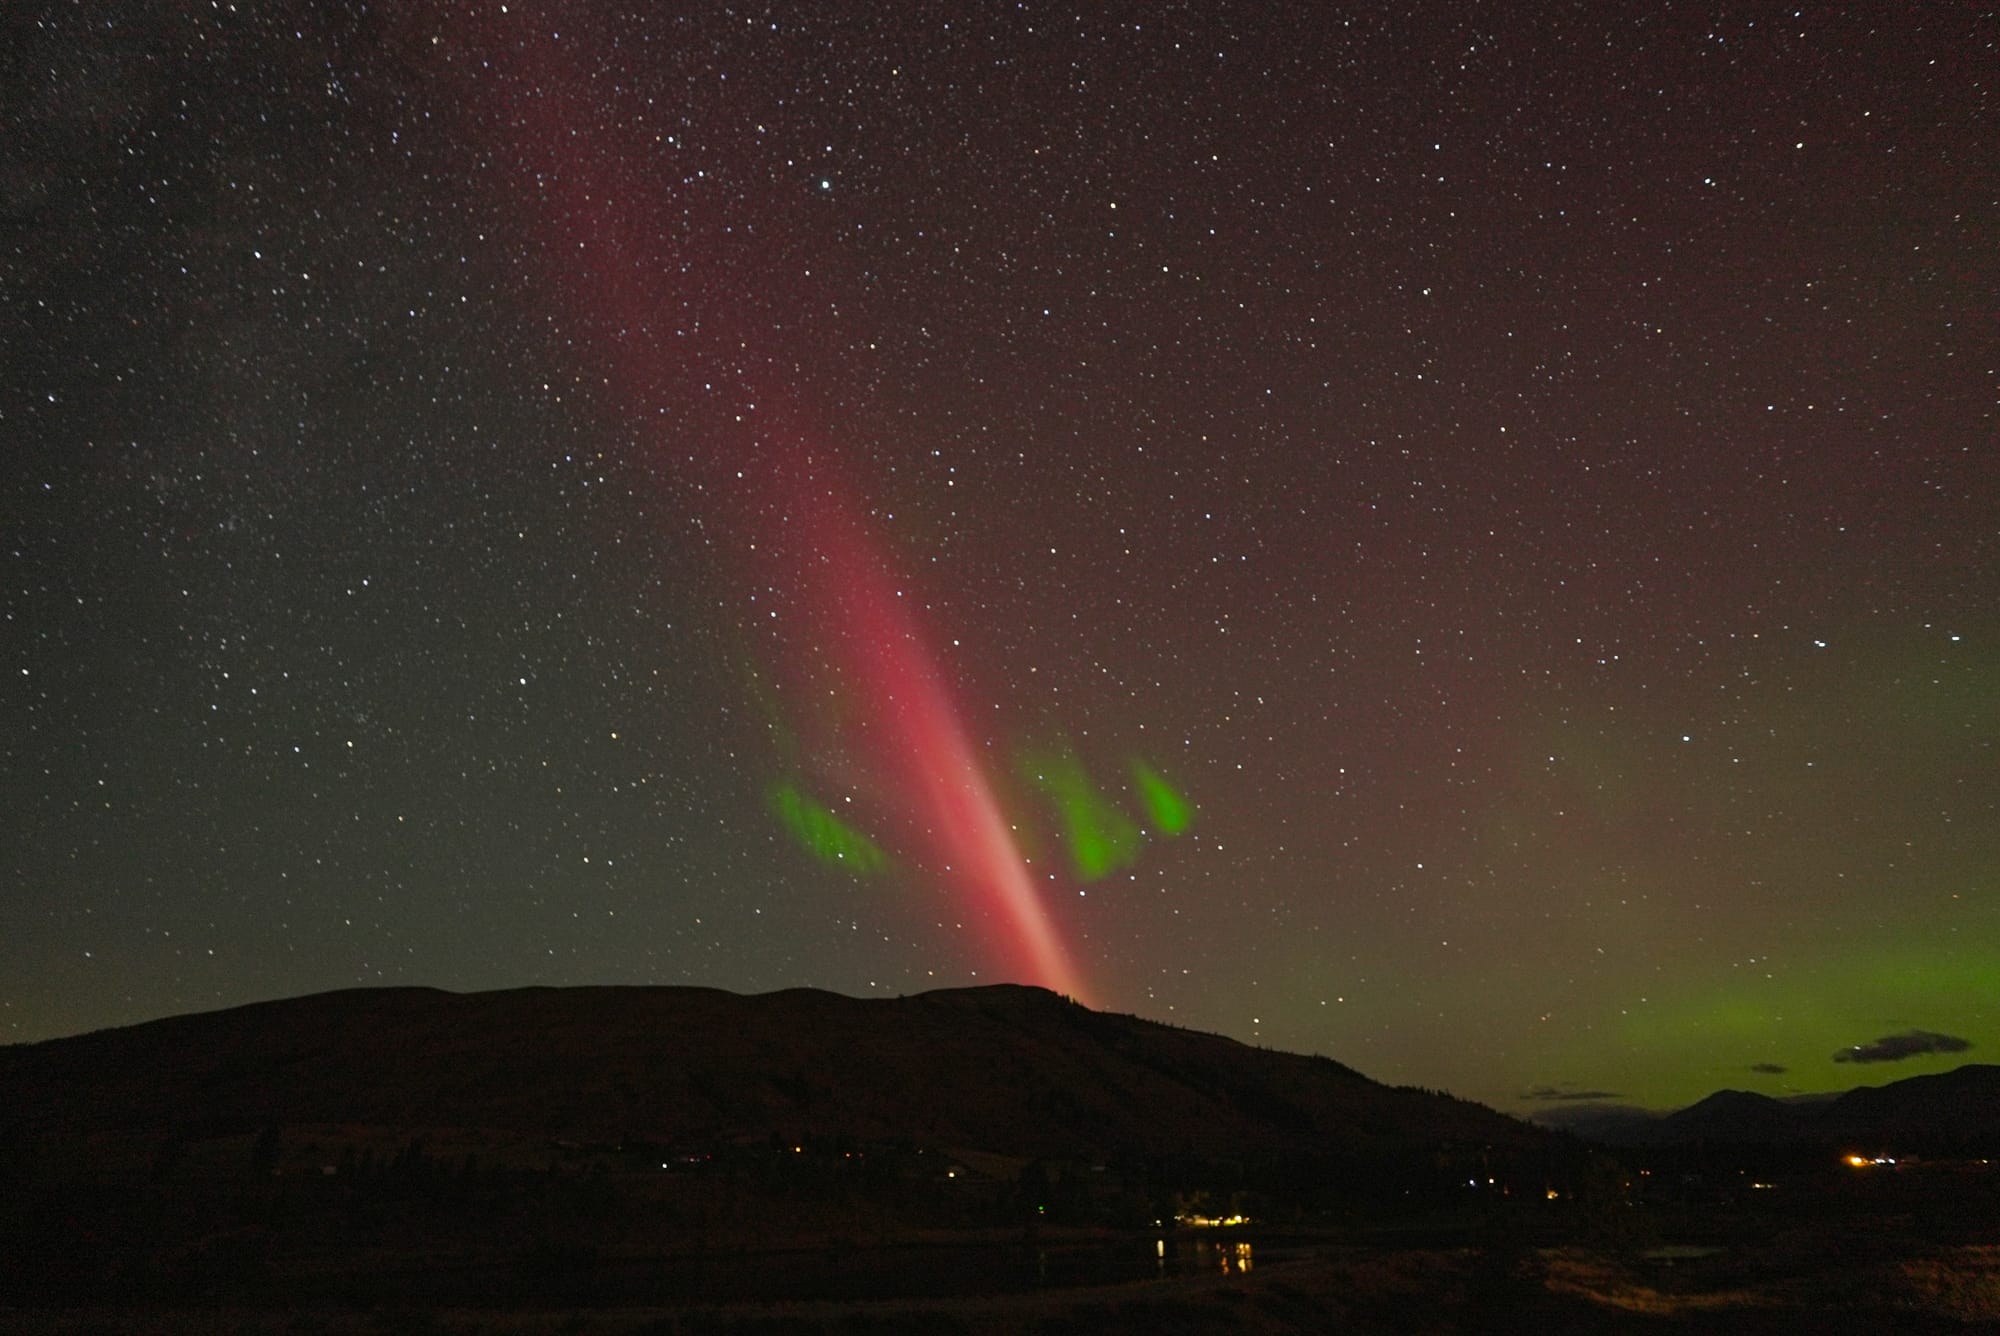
pixel 1941 1112
pixel 1005 1067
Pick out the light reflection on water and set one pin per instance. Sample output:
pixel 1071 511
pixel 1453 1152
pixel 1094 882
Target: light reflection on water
pixel 1061 1265
pixel 1230 1257
pixel 935 1271
pixel 975 1269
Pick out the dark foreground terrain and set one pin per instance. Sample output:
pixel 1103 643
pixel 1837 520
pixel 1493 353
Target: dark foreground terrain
pixel 987 1160
pixel 1788 1285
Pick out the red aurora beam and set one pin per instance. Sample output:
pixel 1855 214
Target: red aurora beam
pixel 630 248
pixel 924 743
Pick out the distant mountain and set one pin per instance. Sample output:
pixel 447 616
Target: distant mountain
pixel 1732 1115
pixel 1005 1068
pixel 1952 1112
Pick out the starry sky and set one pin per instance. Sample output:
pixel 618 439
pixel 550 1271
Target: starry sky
pixel 1460 537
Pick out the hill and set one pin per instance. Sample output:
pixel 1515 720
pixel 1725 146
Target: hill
pixel 677 1159
pixel 1949 1113
pixel 1009 1069
pixel 682 1146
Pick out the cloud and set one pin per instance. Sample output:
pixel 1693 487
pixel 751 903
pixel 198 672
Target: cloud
pixel 1772 1068
pixel 1544 1093
pixel 1909 1044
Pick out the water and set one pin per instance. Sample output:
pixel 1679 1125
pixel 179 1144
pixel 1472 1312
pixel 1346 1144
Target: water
pixel 842 1273
pixel 939 1271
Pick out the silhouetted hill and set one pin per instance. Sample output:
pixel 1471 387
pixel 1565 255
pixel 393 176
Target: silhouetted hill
pixel 1952 1112
pixel 1731 1115
pixel 1005 1068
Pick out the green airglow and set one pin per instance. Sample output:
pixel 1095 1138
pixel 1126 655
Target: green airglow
pixel 1101 838
pixel 1169 812
pixel 823 835
pixel 1705 1035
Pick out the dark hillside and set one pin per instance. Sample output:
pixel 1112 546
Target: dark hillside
pixel 1010 1069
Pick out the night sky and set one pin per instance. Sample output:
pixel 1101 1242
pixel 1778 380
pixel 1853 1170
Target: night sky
pixel 1464 538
